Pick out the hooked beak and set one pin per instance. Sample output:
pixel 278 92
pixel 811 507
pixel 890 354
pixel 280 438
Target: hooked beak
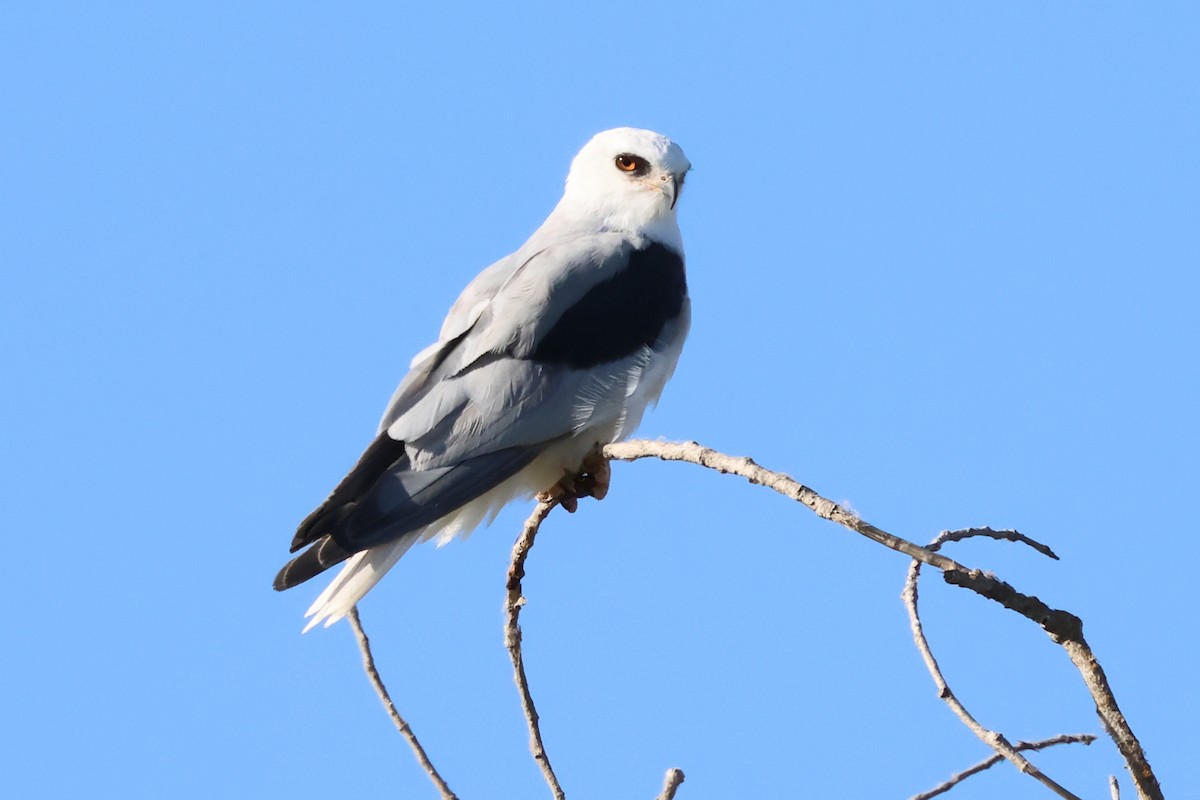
pixel 669 183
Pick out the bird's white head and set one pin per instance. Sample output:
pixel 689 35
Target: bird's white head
pixel 626 179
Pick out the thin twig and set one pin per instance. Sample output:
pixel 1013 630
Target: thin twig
pixel 671 782
pixel 513 601
pixel 1001 536
pixel 364 646
pixel 991 738
pixel 1114 788
pixel 996 758
pixel 1064 628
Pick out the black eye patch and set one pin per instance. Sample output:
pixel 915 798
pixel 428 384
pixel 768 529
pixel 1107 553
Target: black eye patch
pixel 632 164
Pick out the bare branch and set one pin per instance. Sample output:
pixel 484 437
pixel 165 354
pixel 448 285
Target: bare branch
pixel 993 760
pixel 992 739
pixel 1114 788
pixel 1064 628
pixel 513 601
pixel 364 646
pixel 671 782
pixel 693 453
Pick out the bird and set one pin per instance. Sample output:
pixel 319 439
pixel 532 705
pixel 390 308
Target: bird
pixel 547 355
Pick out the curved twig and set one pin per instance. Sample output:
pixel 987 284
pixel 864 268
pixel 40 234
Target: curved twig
pixel 1064 628
pixel 513 600
pixel 996 758
pixel 992 739
pixel 1000 536
pixel 364 647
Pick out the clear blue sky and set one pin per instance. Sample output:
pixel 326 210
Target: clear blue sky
pixel 943 260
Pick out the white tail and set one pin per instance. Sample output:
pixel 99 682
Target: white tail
pixel 361 572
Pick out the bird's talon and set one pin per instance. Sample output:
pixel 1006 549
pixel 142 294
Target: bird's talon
pixel 601 479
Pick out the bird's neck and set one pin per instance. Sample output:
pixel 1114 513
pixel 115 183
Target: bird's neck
pixel 632 221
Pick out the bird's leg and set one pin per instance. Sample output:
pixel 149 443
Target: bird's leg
pixel 592 480
pixel 595 474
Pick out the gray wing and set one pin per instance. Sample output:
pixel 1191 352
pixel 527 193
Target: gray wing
pixel 536 349
pixel 483 387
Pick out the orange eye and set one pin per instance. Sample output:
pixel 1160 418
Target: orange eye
pixel 627 162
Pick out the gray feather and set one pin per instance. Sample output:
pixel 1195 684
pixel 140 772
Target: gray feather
pixel 403 500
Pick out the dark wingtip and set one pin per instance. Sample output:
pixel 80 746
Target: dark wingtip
pixel 384 452
pixel 312 562
pixel 320 523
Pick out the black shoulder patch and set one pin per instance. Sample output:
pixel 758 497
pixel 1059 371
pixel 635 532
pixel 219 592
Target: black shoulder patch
pixel 620 315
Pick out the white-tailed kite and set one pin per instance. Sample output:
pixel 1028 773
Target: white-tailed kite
pixel 547 354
